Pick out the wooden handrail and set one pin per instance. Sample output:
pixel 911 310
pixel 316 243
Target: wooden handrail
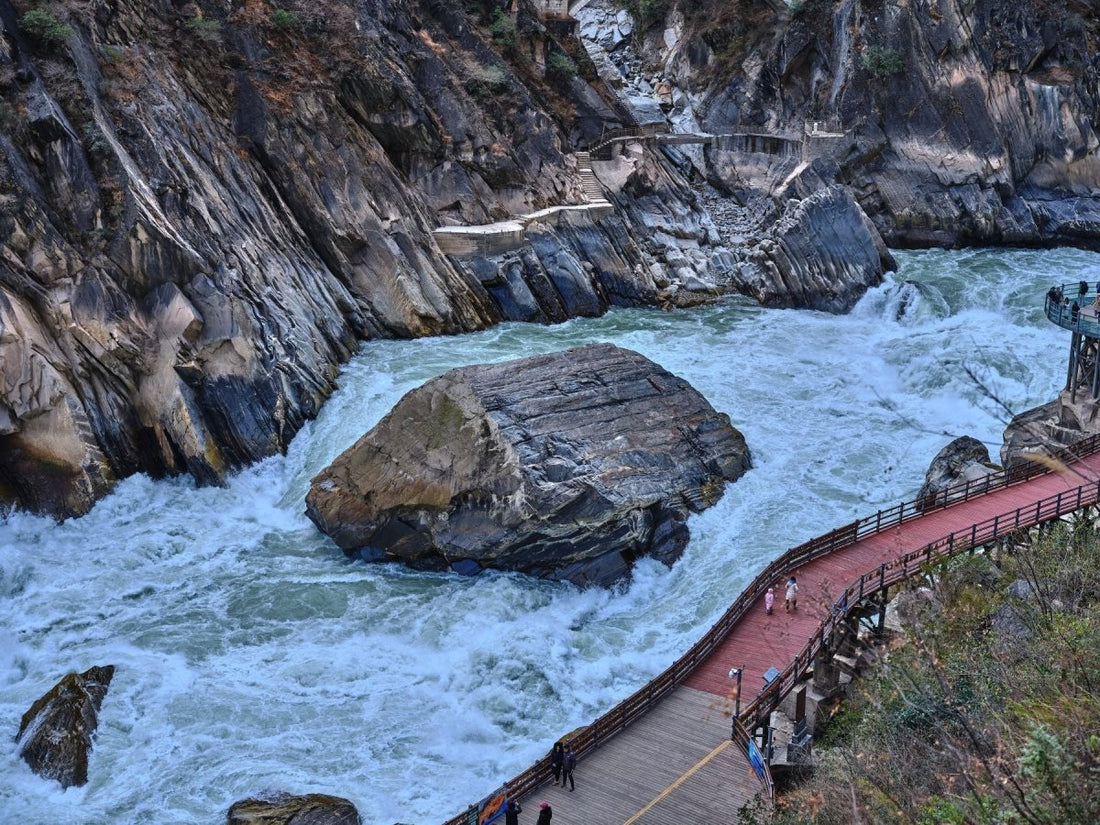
pixel 638 703
pixel 886 575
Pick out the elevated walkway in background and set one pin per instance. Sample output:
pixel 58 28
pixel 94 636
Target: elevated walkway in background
pixel 679 749
pixel 504 236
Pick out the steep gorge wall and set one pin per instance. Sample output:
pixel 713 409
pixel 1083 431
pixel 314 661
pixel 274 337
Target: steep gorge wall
pixel 967 121
pixel 203 208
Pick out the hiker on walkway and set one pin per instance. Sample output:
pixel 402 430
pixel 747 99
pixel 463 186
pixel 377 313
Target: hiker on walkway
pixel 792 594
pixel 512 812
pixel 545 813
pixel 769 600
pixel 569 761
pixel 556 756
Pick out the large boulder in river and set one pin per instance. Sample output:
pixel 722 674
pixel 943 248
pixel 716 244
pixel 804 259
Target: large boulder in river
pixel 286 809
pixel 55 735
pixel 564 466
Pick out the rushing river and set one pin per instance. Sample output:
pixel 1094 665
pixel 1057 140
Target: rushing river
pixel 252 656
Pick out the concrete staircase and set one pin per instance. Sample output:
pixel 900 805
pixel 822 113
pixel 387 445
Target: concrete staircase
pixel 592 189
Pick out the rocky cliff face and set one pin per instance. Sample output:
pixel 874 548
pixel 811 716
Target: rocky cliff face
pixel 964 121
pixel 205 206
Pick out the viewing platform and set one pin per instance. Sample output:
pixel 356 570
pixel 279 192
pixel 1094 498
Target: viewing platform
pixel 1075 308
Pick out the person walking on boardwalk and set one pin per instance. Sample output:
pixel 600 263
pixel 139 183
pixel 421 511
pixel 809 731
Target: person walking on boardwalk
pixel 512 812
pixel 569 761
pixel 556 756
pixel 769 600
pixel 545 813
pixel 792 594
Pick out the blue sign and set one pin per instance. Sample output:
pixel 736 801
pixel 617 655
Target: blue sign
pixel 756 759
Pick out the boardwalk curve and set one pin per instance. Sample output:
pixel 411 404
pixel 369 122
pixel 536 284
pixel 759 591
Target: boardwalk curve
pixel 669 753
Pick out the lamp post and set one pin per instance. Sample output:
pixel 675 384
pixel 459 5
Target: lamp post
pixel 735 673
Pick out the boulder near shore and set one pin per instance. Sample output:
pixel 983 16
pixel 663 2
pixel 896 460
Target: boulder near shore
pixel 564 466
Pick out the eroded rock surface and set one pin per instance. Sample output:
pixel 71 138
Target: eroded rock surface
pixel 964 459
pixel 564 466
pixel 1050 427
pixel 287 809
pixel 55 735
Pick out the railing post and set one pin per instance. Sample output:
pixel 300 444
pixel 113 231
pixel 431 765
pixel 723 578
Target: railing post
pixel 996 532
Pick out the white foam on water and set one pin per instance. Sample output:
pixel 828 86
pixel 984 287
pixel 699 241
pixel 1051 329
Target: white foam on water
pixel 251 655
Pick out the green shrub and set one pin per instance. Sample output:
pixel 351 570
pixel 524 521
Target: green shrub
pixel 41 26
pixel 485 81
pixel 205 29
pixel 284 20
pixel 646 13
pixel 561 69
pixel 503 28
pixel 882 61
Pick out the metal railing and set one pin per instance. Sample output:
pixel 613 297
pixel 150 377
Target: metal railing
pixel 609 136
pixel 638 703
pixel 1072 309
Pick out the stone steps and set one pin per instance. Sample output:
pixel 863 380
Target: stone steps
pixel 591 186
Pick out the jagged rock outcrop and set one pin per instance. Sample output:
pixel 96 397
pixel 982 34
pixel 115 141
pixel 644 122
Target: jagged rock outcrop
pixel 822 253
pixel 287 809
pixel 1050 427
pixel 964 459
pixel 205 208
pixel 565 466
pixel 964 121
pixel 55 735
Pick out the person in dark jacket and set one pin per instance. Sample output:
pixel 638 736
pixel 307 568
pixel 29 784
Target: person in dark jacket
pixel 568 762
pixel 545 814
pixel 512 812
pixel 556 754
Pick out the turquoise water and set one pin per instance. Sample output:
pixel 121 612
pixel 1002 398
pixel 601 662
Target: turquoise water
pixel 252 656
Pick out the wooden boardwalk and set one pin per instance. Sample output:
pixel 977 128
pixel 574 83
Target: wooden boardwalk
pixel 677 764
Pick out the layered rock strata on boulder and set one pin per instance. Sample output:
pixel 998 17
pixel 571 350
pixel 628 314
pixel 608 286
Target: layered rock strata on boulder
pixel 1050 427
pixel 965 459
pixel 287 809
pixel 55 735
pixel 823 253
pixel 565 466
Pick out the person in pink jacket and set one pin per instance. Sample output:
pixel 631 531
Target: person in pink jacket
pixel 769 600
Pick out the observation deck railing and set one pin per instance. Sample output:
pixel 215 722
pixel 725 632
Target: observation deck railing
pixel 757 710
pixel 1083 318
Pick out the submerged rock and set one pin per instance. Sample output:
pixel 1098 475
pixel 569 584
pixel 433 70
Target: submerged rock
pixel 56 734
pixel 286 809
pixel 564 466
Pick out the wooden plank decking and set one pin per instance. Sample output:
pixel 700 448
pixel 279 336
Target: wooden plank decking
pixel 675 765
pixel 683 744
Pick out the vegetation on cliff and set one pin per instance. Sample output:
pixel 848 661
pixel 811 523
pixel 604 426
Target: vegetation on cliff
pixel 987 709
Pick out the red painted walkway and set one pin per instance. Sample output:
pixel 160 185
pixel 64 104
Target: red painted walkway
pixel 668 759
pixel 759 641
